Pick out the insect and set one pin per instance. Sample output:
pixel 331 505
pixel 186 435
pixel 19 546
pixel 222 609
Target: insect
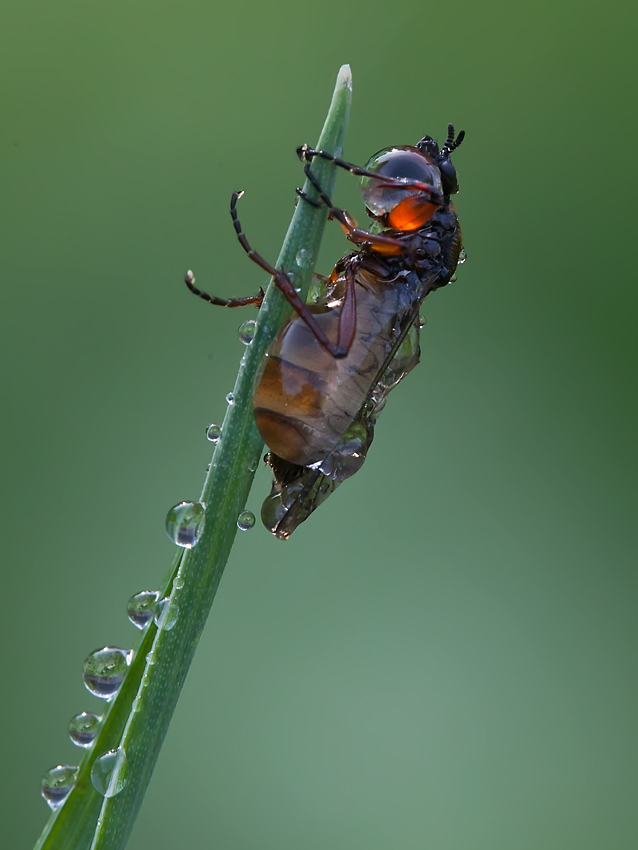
pixel 326 376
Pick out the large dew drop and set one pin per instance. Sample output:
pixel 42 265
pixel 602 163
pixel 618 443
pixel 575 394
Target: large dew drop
pixel 185 523
pixel 83 728
pixel 246 331
pixel 245 520
pixel 109 772
pixel 166 614
pixel 141 607
pixel 57 784
pixel 104 670
pixel 214 433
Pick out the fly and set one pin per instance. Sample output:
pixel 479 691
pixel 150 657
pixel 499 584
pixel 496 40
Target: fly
pixel 326 376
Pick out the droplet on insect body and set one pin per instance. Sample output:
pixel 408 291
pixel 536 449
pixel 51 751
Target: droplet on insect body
pixel 104 670
pixel 57 784
pixel 462 257
pixel 83 728
pixel 214 433
pixel 109 772
pixel 245 520
pixel 141 607
pixel 246 331
pixel 185 523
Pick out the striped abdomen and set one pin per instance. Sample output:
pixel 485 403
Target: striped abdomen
pixel 306 399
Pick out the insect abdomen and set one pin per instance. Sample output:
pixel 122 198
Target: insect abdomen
pixel 306 399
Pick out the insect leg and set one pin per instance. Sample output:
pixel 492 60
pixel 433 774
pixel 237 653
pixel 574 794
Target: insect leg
pixel 386 245
pixel 307 154
pixel 283 283
pixel 189 280
pixel 348 315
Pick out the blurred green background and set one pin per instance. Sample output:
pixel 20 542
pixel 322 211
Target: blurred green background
pixel 445 655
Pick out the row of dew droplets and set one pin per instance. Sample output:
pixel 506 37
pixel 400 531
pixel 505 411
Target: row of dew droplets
pixel 185 520
pixel 109 773
pixel 103 673
pixel 104 670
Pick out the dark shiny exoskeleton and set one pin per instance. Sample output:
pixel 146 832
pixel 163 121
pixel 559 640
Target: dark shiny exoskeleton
pixel 327 374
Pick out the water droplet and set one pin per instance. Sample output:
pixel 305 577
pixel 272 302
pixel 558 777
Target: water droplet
pixel 141 606
pixel 109 772
pixel 462 257
pixel 150 658
pixel 57 784
pixel 185 523
pixel 104 670
pixel 178 582
pixel 230 399
pixel 166 614
pixel 213 433
pixel 422 321
pixel 246 331
pixel 245 520
pixel 83 728
pixel 253 466
pixel 304 257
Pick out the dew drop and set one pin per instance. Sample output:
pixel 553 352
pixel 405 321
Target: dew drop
pixel 104 670
pixel 57 784
pixel 214 433
pixel 230 399
pixel 141 607
pixel 245 520
pixel 109 772
pixel 185 523
pixel 453 278
pixel 150 658
pixel 422 321
pixel 166 614
pixel 246 331
pixel 304 257
pixel 462 257
pixel 178 582
pixel 83 728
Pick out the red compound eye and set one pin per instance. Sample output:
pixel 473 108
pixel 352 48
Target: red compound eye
pixel 404 207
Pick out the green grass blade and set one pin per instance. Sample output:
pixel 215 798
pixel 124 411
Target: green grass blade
pixel 139 716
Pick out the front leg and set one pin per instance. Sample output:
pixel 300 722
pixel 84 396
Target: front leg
pixel 386 245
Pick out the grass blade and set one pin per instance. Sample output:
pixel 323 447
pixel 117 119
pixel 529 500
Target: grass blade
pixel 139 716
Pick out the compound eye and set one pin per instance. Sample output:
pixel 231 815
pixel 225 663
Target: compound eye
pixel 406 164
pixel 448 173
